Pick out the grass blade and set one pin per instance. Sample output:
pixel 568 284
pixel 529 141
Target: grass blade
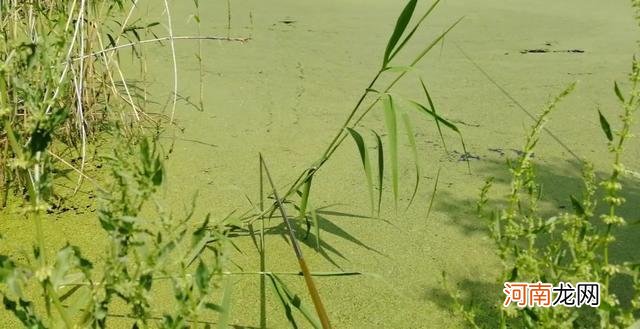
pixel 423 109
pixel 316 228
pixel 364 155
pixel 284 301
pixel 392 131
pixel 414 151
pixel 289 299
pixel 606 128
pixel 433 108
pixel 401 25
pixel 433 194
pixel 380 169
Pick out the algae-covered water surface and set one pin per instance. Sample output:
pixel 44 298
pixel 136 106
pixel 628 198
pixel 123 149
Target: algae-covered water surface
pixel 385 206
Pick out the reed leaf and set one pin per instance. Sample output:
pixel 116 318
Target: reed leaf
pixel 415 28
pixel 429 112
pixel 380 169
pixel 433 108
pixel 364 155
pixel 392 131
pixel 316 229
pixel 433 193
pixel 414 151
pixel 289 300
pixel 401 25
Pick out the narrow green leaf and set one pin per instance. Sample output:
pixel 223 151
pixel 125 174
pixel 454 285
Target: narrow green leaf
pixel 399 69
pixel 606 128
pixel 423 109
pixel 429 112
pixel 283 300
pixel 335 273
pixel 577 206
pixel 316 228
pixel 415 28
pixel 616 88
pixel 202 276
pixel 433 108
pixel 401 25
pixel 294 300
pixel 433 193
pixel 380 169
pixel 364 155
pixel 392 131
pixel 414 151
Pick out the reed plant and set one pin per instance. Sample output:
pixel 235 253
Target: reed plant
pixel 376 96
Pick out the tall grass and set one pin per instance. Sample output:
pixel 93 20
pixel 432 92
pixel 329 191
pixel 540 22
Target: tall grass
pixel 299 192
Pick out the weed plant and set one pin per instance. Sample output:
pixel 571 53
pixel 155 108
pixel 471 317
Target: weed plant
pixel 569 246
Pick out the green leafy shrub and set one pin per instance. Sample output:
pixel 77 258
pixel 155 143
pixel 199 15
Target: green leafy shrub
pixel 144 245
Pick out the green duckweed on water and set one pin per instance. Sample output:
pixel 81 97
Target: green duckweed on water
pixel 284 91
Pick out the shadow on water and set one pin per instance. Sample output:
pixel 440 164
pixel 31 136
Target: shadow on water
pixel 559 181
pixel 482 297
pixel 306 234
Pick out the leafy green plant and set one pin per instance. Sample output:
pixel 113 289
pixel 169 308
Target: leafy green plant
pixel 299 193
pixel 569 246
pixel 140 250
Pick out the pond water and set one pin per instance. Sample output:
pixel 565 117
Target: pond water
pixel 286 92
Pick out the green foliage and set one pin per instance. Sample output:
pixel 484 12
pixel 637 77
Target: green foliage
pixel 71 91
pixel 140 250
pixel 568 246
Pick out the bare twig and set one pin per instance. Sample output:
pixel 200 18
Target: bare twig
pixel 131 44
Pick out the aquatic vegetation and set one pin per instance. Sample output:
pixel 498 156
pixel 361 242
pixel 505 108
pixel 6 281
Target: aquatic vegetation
pixel 567 247
pixel 81 91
